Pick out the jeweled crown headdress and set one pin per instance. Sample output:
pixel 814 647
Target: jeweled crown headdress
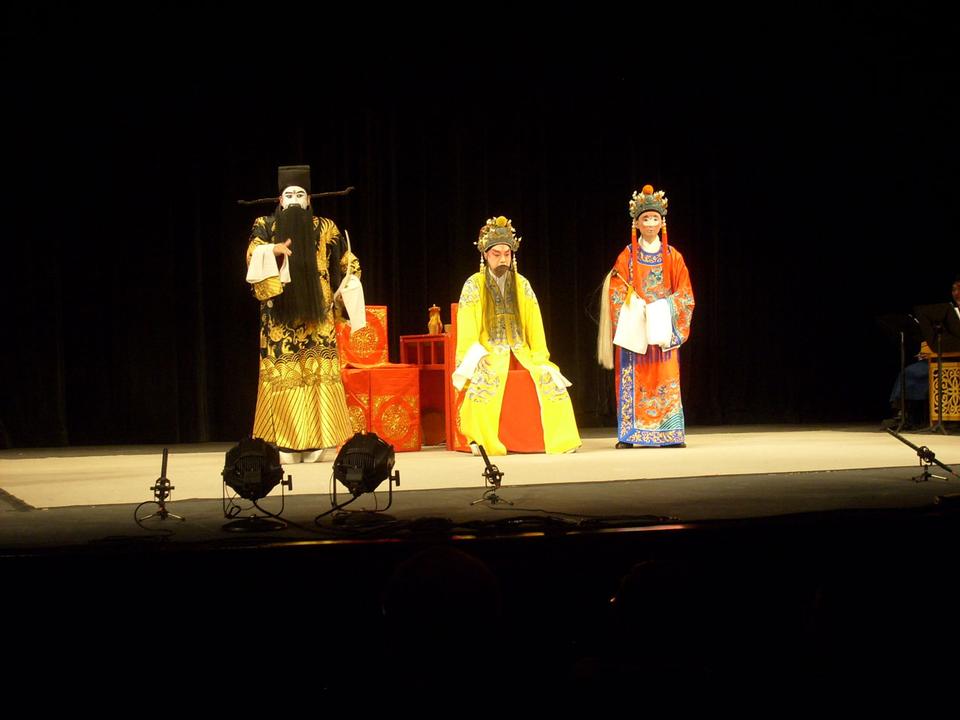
pixel 498 231
pixel 646 200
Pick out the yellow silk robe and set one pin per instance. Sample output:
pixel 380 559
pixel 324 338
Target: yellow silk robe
pixel 480 411
pixel 301 405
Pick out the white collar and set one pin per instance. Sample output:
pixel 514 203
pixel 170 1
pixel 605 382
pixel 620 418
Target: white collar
pixel 650 247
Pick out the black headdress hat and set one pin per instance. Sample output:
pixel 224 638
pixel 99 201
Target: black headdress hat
pixel 290 175
pixel 298 175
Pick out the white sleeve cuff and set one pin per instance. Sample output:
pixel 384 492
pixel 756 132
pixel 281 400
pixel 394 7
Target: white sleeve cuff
pixel 263 265
pixel 468 365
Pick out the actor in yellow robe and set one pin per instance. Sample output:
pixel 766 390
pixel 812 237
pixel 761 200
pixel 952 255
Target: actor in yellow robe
pixel 498 316
pixel 295 262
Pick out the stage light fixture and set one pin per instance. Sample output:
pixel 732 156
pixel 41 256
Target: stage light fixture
pixel 363 462
pixel 252 470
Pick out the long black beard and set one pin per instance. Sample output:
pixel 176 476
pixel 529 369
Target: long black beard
pixel 301 301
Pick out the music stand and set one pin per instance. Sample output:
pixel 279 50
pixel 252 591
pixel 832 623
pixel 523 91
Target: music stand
pixel 903 326
pixel 941 329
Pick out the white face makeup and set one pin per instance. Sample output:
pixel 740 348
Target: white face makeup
pixel 294 195
pixel 499 258
pixel 649 224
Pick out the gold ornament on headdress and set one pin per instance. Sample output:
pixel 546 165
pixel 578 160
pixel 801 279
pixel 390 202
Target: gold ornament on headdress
pixel 646 199
pixel 498 231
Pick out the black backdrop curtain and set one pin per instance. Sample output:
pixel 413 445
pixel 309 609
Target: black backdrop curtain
pixel 811 183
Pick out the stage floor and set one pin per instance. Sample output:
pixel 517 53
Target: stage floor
pixel 66 495
pixel 63 477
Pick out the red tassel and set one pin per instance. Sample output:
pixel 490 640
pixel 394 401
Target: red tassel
pixel 667 260
pixel 634 256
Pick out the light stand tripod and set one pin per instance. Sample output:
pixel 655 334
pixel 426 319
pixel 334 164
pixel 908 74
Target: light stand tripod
pixel 936 324
pixel 904 327
pixel 161 491
pixel 903 383
pixel 927 458
pixel 491 476
pixel 938 331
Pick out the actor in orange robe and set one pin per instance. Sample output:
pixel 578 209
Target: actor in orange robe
pixel 649 289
